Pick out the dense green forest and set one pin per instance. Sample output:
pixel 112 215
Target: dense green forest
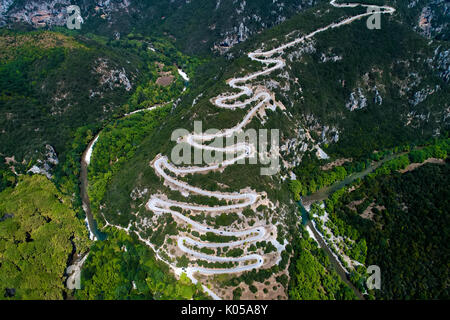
pixel 311 176
pixel 55 84
pixel 371 213
pixel 117 145
pixel 34 67
pixel 39 232
pixel 377 217
pixel 123 268
pixel 52 84
pixel 7 177
pixel 312 276
pixel 407 232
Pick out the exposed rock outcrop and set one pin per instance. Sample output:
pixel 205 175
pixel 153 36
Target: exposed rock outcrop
pixel 45 166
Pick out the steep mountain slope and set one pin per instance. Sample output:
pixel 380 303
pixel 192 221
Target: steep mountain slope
pixel 52 84
pixel 350 90
pixel 57 88
pixel 200 26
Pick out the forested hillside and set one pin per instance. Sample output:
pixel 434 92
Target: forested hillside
pixel 321 109
pixel 52 84
pixel 58 88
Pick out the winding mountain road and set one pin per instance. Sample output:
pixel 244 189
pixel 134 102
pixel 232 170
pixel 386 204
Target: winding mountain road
pixel 262 97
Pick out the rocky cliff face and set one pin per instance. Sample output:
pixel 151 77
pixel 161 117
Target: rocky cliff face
pixel 431 18
pixel 36 13
pixel 249 17
pixel 54 13
pixel 4 7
